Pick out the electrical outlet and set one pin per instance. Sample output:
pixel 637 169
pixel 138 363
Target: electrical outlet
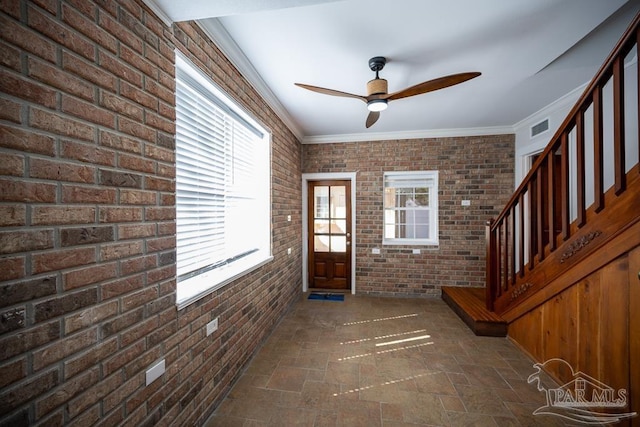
pixel 466 203
pixel 212 326
pixel 289 218
pixel 416 251
pixel 289 251
pixel 375 251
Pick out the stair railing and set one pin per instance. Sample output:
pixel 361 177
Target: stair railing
pixel 550 205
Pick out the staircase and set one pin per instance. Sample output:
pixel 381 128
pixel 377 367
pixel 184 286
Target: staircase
pixel 581 193
pixel 469 305
pixel 563 257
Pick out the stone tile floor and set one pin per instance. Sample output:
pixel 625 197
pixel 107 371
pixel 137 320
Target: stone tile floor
pixel 372 361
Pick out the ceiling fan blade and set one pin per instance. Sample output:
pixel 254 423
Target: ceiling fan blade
pixel 330 91
pixel 431 85
pixel 372 118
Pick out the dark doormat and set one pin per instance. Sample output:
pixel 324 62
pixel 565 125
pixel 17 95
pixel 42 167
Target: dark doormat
pixel 326 297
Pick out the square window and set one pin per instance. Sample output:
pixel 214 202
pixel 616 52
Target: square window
pixel 411 208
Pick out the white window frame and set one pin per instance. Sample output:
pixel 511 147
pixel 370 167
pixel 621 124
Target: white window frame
pixel 413 179
pixel 195 285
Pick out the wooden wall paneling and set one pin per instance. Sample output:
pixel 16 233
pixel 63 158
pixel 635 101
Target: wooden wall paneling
pixel 560 337
pixel 614 324
pixel 589 332
pixel 527 333
pixel 595 326
pixel 634 333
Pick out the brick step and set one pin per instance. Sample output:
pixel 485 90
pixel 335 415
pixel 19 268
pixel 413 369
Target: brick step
pixel 469 305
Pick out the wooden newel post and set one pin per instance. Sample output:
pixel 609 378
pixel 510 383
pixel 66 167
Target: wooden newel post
pixel 490 290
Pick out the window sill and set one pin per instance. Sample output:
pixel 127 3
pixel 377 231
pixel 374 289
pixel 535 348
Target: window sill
pixel 194 288
pixel 411 242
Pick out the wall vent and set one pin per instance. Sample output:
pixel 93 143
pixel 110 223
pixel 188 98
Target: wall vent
pixel 539 128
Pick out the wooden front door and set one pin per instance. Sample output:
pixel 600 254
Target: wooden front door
pixel 329 225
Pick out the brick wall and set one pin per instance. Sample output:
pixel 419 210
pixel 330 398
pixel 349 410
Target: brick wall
pixel 479 169
pixel 87 217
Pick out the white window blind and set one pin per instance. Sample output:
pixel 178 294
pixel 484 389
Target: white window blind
pixel 222 188
pixel 411 208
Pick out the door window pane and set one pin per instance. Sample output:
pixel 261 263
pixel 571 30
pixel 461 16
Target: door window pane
pixel 338 243
pixel 330 223
pixel 321 243
pixel 338 202
pixel 321 226
pixel 321 202
pixel 338 226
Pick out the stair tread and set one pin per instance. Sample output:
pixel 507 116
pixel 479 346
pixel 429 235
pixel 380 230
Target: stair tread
pixel 472 300
pixel 469 304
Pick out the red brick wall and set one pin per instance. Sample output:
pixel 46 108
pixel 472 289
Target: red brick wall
pixel 87 217
pixel 479 169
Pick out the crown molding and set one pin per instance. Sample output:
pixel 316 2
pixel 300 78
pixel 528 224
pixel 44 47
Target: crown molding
pixel 160 13
pixel 219 35
pixel 567 100
pixel 417 134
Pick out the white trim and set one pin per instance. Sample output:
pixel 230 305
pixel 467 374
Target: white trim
pixel 184 63
pixel 413 134
pixel 433 211
pixel 221 37
pixel 527 145
pixel 198 286
pixel 160 13
pixel 194 288
pixel 306 177
pixel 567 100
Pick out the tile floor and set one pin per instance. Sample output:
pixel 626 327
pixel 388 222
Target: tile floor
pixel 372 361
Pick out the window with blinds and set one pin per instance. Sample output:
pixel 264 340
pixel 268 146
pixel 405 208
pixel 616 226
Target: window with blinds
pixel 222 187
pixel 411 208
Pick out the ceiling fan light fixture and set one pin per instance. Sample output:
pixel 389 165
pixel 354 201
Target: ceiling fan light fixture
pixel 377 105
pixel 377 89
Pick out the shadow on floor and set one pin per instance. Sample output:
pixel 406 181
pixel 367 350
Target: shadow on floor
pixel 372 361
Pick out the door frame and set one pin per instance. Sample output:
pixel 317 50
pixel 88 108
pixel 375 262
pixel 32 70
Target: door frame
pixel 343 176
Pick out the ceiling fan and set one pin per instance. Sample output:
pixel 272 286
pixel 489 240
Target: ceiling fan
pixel 377 94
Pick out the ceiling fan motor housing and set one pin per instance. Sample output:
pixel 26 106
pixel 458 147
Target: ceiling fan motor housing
pixel 377 87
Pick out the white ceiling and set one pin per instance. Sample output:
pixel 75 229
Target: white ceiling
pixel 530 53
